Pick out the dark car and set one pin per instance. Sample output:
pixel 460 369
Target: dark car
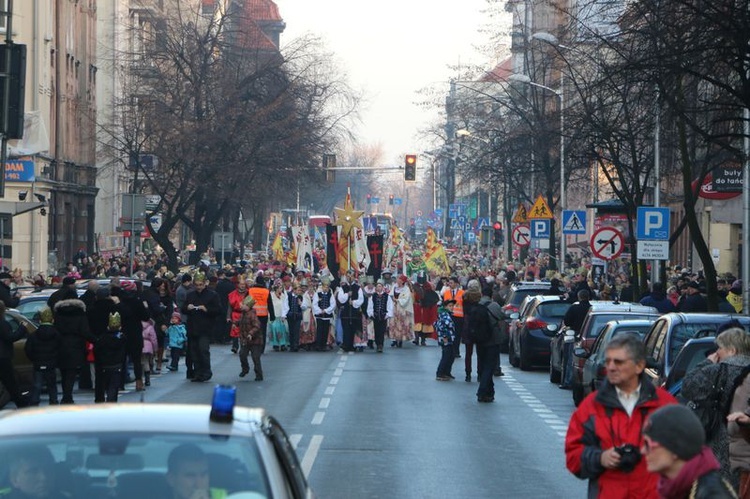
pixel 594 369
pixel 21 363
pixel 530 339
pixel 518 292
pixel 670 333
pixel 600 313
pixel 693 353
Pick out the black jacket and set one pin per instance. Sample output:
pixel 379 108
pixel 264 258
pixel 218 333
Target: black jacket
pixel 8 337
pixel 693 303
pixel 73 325
pixel 132 313
pixel 98 315
pixel 712 486
pixel 201 323
pixel 43 347
pixel 575 316
pixel 7 297
pixel 64 293
pixel 109 351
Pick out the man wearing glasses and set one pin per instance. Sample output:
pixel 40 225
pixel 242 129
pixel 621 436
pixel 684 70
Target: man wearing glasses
pixel 604 436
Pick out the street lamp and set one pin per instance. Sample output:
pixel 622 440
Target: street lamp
pixel 559 93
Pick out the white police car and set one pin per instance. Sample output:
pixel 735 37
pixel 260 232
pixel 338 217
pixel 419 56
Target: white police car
pixel 148 451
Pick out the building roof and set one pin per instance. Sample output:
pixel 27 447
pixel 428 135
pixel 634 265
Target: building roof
pixel 263 10
pixel 501 72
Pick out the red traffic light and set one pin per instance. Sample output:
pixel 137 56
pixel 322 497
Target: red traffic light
pixel 497 226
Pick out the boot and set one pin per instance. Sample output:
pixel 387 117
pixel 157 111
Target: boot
pixel 148 379
pixel 139 385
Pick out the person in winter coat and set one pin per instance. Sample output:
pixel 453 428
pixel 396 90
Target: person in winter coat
pixel 176 341
pixel 658 299
pixel 109 352
pixel 470 301
pixel 429 303
pixel 446 331
pixel 150 347
pixel 7 374
pixel 674 447
pixel 694 301
pixel 43 349
pixel 488 351
pixel 73 325
pixel 719 372
pixel 132 314
pixel 380 309
pixel 604 434
pixel 735 295
pixel 201 307
pixel 251 339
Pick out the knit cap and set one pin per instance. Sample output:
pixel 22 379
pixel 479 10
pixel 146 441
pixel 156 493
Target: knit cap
pixel 46 316
pixel 678 429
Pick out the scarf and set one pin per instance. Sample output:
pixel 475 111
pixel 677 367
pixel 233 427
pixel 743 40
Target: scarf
pixel 679 486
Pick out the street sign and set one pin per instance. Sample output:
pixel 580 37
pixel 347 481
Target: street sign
pixel 607 243
pixel 521 216
pixel 419 213
pixel 454 224
pixel 652 223
pixel 396 201
pixel 540 209
pixel 521 235
pixel 471 237
pixel 574 221
pixel 653 250
pixel 369 224
pixel 374 200
pixel 483 222
pixel 540 229
pixel 223 241
pixel 438 212
pixel 152 202
pixel 155 221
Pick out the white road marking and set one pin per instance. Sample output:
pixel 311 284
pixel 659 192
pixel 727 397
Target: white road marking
pixel 330 390
pixel 311 453
pixel 318 418
pixel 338 372
pixel 334 380
pixel 294 439
pixel 342 365
pixel 324 403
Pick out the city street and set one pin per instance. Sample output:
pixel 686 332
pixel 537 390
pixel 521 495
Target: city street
pixel 380 426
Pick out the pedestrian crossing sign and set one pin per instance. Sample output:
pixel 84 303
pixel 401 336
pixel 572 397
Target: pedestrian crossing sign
pixel 521 216
pixel 574 221
pixel 540 209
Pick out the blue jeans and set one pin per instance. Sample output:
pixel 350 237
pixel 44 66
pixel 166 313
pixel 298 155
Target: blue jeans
pixel 45 376
pixel 446 360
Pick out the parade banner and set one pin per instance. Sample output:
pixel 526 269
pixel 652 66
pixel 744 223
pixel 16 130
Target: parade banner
pixel 438 261
pixel 393 246
pixel 431 243
pixel 345 253
pixel 360 251
pixel 375 248
pixel 278 248
pixel 332 249
pixel 304 247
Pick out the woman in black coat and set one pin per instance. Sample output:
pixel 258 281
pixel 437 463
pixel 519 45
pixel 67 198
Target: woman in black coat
pixel 7 374
pixel 133 312
pixel 73 326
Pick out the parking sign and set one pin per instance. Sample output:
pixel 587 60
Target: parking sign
pixel 652 224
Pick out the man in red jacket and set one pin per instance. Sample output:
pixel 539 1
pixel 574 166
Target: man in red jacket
pixel 604 435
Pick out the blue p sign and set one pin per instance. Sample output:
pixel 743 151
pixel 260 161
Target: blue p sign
pixel 653 223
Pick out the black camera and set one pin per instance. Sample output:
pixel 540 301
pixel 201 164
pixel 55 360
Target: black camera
pixel 630 456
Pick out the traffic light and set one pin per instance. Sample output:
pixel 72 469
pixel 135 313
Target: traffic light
pixel 497 234
pixel 390 199
pixel 410 168
pixel 369 198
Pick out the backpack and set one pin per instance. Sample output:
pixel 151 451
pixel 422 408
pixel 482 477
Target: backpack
pixel 483 335
pixel 713 409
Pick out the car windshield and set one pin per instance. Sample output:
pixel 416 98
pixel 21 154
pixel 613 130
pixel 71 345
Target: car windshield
pixel 127 465
pixel 519 294
pixel 598 321
pixel 684 332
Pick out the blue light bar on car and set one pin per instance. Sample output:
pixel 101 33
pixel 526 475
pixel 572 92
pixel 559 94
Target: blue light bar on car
pixel 222 405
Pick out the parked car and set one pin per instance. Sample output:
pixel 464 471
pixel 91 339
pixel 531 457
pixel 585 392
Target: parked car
pixel 518 292
pixel 594 368
pixel 694 352
pixel 529 343
pixel 29 305
pixel 670 333
pixel 21 363
pixel 600 313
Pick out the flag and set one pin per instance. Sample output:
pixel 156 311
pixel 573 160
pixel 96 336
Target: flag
pixel 431 243
pixel 278 248
pixel 360 251
pixel 395 240
pixel 303 244
pixel 438 261
pixel 375 248
pixel 345 252
pixel 332 249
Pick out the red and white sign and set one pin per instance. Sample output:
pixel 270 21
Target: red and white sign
pixel 521 235
pixel 607 243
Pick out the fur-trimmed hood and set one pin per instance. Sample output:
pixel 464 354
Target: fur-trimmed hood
pixel 71 306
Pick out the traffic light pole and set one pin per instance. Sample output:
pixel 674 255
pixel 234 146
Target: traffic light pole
pixel 8 14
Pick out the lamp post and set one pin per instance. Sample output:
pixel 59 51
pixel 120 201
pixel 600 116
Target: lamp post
pixel 560 94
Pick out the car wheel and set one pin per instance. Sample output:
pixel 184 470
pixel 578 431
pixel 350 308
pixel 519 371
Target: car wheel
pixel 554 374
pixel 524 361
pixel 512 358
pixel 577 394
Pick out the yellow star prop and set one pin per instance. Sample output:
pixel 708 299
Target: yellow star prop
pixel 348 218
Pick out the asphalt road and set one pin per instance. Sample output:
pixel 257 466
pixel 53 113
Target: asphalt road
pixel 374 425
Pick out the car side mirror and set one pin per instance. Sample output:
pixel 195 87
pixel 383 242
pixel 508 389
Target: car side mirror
pixel 514 316
pixel 581 352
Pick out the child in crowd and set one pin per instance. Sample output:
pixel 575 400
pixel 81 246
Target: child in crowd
pixel 176 339
pixel 109 352
pixel 150 346
pixel 42 348
pixel 446 331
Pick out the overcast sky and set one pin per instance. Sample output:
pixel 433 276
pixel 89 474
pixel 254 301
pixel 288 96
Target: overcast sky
pixel 390 49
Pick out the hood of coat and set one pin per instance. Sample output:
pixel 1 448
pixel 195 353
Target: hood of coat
pixel 70 307
pixel 472 295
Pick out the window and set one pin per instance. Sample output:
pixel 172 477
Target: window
pixel 3 19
